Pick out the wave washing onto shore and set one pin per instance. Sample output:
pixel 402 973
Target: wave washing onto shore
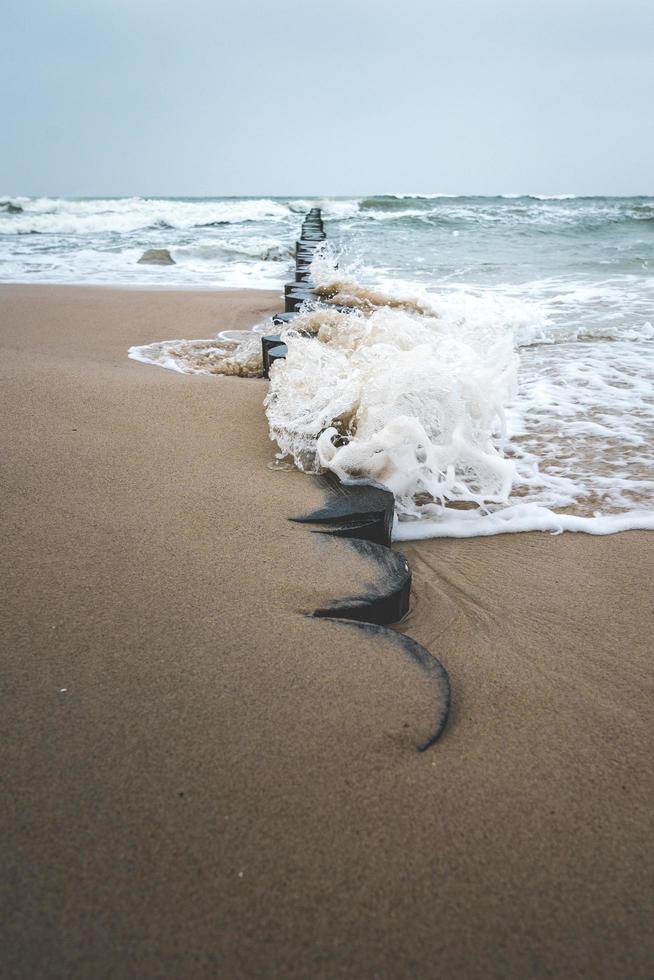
pixel 479 412
pixel 431 399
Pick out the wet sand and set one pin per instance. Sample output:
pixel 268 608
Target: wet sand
pixel 200 781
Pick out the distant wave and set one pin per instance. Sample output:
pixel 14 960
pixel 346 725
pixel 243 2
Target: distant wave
pixel 560 212
pixel 429 238
pixel 66 216
pixel 381 201
pixel 390 202
pixel 122 215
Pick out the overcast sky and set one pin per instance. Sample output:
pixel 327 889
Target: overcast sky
pixel 164 97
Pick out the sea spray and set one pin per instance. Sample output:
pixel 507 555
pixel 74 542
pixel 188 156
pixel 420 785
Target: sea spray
pixel 395 393
pixel 474 410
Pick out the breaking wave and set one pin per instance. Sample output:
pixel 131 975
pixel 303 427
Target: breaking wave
pixel 479 412
pixel 65 216
pixel 450 403
pixel 401 390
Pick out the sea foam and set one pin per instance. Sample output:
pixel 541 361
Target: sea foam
pixel 483 412
pixel 428 395
pixel 399 392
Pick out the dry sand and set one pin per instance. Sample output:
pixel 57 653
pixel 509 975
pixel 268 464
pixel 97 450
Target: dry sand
pixel 200 781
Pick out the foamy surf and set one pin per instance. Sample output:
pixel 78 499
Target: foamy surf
pixel 474 411
pixel 481 412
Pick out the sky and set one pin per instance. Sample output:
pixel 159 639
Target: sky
pixel 343 97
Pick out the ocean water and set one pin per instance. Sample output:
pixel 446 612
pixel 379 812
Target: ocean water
pixel 497 373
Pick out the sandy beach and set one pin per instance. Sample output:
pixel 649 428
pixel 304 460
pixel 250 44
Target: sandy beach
pixel 199 780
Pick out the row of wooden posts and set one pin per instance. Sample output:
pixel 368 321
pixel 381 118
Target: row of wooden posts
pixel 363 513
pixel 296 292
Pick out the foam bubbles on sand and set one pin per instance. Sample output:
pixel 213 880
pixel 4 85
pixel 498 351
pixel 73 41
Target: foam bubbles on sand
pixel 232 352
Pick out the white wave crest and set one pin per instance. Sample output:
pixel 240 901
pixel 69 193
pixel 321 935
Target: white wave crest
pixel 336 209
pixel 66 217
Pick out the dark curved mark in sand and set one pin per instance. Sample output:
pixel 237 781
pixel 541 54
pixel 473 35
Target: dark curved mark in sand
pixel 364 514
pixel 386 600
pixel 429 666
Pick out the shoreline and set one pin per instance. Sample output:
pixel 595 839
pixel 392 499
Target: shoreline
pixel 198 775
pixel 137 286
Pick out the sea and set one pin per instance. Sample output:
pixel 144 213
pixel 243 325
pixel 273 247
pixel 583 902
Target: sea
pixel 497 370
